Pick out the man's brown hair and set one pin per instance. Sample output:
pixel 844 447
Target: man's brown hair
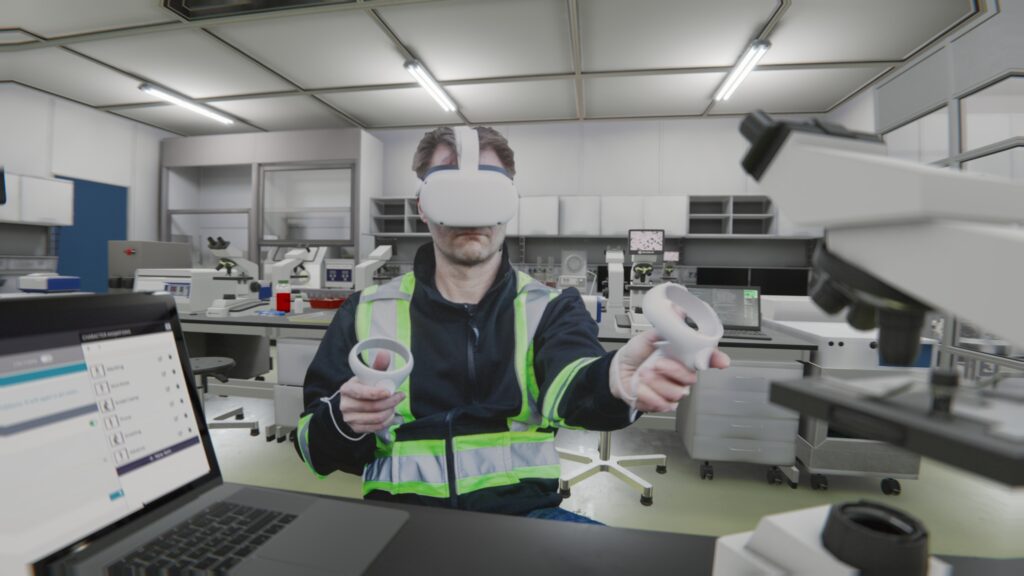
pixel 489 138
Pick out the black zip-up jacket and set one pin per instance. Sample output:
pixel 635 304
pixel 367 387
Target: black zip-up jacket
pixel 464 381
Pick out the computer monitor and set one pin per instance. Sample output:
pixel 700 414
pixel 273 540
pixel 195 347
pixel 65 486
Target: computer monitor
pixel 671 256
pixel 646 241
pixel 738 307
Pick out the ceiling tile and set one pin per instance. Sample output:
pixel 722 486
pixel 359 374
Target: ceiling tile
pixel 335 49
pixel 651 95
pixel 472 39
pixel 287 113
pixel 63 73
pixel 844 31
pixel 397 107
pixel 182 121
pixel 789 91
pixel 652 34
pixel 187 61
pixel 14 37
pixel 62 17
pixel 516 101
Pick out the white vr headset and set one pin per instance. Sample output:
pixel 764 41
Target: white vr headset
pixel 470 195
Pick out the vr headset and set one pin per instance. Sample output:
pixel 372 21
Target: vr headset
pixel 468 195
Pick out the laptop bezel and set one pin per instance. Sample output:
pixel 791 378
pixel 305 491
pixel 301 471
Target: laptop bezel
pixel 38 316
pixel 734 326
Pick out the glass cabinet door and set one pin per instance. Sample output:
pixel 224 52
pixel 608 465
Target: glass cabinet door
pixel 307 204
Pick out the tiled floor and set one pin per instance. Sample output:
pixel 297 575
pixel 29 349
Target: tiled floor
pixel 965 514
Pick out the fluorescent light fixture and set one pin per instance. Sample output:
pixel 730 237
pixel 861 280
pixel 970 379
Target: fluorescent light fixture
pixel 430 85
pixel 739 72
pixel 173 99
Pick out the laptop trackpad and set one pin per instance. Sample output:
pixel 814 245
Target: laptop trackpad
pixel 328 537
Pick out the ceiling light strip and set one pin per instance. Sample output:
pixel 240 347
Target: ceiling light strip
pixel 751 57
pixel 430 85
pixel 178 100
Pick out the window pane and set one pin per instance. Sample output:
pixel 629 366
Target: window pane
pixel 209 188
pixel 1006 164
pixel 313 204
pixel 194 229
pixel 993 114
pixel 923 140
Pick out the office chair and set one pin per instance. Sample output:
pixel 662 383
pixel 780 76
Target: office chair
pixel 617 465
pixel 218 366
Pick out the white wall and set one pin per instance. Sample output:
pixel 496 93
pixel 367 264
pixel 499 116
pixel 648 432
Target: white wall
pixel 857 113
pixel 43 135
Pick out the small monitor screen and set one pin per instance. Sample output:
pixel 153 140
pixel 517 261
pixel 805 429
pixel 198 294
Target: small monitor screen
pixel 646 241
pixel 671 256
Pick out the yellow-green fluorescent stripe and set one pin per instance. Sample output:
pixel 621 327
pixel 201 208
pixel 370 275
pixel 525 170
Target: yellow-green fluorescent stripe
pixel 558 388
pixel 552 471
pixel 421 488
pixel 303 427
pixel 403 333
pixel 495 479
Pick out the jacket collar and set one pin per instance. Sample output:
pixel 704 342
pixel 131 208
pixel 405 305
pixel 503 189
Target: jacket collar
pixel 425 266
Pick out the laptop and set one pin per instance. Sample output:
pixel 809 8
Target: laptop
pixel 108 466
pixel 739 308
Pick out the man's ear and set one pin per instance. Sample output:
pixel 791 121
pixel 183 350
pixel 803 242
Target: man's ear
pixel 419 210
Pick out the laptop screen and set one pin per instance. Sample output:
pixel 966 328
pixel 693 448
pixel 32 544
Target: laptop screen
pixel 739 307
pixel 96 418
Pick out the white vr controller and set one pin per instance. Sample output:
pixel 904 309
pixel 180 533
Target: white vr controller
pixel 387 379
pixel 468 197
pixel 678 340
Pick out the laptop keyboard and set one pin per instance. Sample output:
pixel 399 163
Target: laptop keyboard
pixel 212 541
pixel 746 334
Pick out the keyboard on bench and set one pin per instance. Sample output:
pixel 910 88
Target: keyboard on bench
pixel 746 335
pixel 212 541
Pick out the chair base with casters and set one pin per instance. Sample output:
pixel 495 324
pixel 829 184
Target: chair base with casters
pixel 216 366
pixel 605 462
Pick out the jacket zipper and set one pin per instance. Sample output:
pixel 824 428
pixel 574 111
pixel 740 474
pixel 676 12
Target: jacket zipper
pixel 472 341
pixel 449 457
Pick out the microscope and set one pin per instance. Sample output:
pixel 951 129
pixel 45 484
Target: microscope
pixel 644 248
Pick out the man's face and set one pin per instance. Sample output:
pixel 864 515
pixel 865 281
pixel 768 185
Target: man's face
pixel 465 246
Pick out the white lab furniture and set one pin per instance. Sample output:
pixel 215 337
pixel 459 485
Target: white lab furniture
pixel 538 216
pixel 620 214
pixel 668 213
pixel 727 417
pixel 579 216
pixel 41 201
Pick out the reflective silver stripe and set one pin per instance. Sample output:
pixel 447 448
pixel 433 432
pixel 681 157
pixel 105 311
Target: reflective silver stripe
pixel 537 299
pixel 390 291
pixel 526 454
pixel 517 426
pixel 395 469
pixel 468 463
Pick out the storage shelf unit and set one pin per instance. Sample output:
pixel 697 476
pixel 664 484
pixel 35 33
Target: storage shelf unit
pixel 723 215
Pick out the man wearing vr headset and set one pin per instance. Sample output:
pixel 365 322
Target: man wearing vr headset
pixel 500 361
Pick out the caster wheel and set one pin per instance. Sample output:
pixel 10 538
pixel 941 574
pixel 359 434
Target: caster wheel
pixel 564 493
pixel 819 482
pixel 647 500
pixel 292 436
pixel 661 469
pixel 707 471
pixel 891 487
pixel 281 439
pixel 774 476
pixel 239 416
pixel 254 432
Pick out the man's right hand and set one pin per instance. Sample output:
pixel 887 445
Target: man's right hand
pixel 367 409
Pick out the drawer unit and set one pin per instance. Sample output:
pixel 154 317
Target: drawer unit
pixel 741 450
pixel 749 428
pixel 731 403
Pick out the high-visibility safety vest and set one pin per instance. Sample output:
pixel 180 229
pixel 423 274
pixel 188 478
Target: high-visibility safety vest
pixel 473 461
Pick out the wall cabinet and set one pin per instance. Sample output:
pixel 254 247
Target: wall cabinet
pixel 41 201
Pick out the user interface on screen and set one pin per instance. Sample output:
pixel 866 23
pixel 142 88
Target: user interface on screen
pixel 646 241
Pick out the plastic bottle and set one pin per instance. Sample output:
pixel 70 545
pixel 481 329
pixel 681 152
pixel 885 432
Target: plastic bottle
pixel 282 296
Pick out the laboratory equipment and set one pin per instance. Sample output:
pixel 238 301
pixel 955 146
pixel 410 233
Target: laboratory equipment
pixel 574 270
pixel 338 273
pixel 229 258
pixel 49 282
pixel 839 540
pixel 644 248
pixel 300 267
pixel 469 195
pixel 893 228
pixel 363 273
pixel 124 257
pixel 195 289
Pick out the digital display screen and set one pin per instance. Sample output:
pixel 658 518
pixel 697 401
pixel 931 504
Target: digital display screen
pixel 737 307
pixel 646 241
pixel 671 256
